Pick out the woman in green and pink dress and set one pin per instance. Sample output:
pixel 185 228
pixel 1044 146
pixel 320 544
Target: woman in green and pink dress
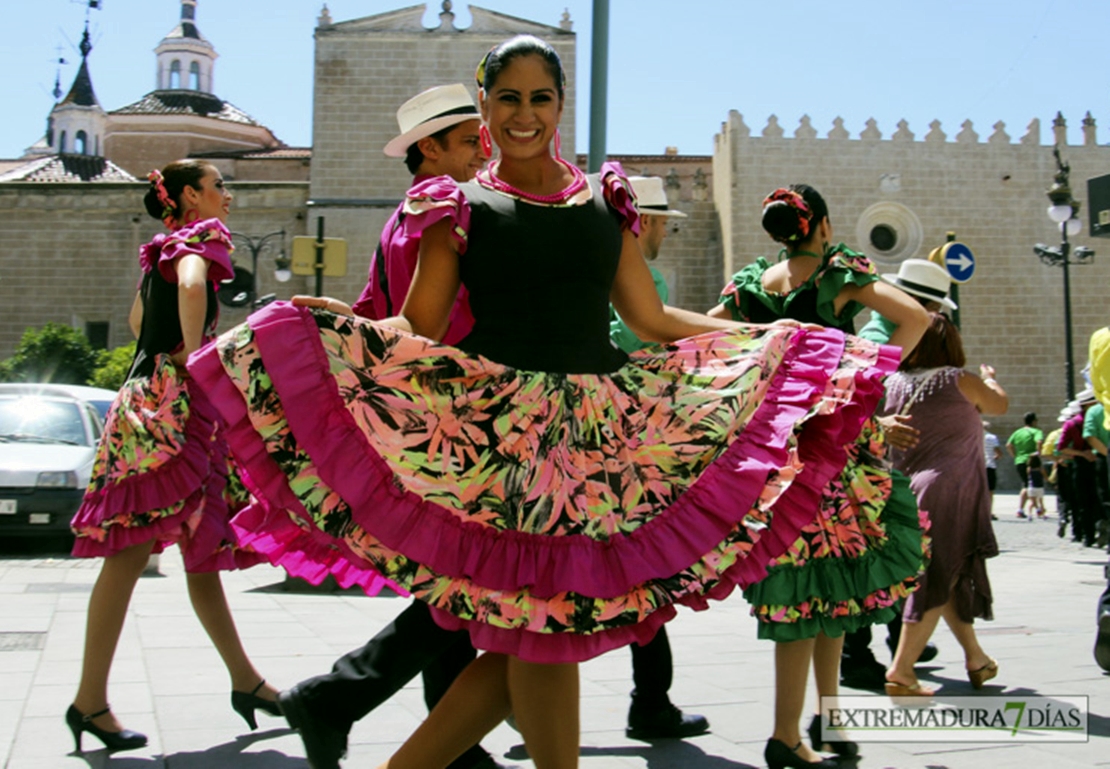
pixel 161 473
pixel 862 549
pixel 534 485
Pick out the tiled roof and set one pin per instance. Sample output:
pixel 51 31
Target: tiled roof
pixel 66 168
pixel 279 153
pixel 182 102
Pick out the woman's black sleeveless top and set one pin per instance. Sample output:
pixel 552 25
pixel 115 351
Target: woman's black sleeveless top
pixel 539 279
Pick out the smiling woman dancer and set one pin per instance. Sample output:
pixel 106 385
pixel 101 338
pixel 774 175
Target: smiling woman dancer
pixel 161 469
pixel 535 486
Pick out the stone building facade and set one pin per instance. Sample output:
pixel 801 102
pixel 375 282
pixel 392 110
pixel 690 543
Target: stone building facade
pixel 74 243
pixel 990 192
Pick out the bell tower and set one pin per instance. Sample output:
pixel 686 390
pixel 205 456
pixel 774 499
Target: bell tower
pixel 77 123
pixel 185 58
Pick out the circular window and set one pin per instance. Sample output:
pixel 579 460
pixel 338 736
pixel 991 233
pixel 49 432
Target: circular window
pixel 883 237
pixel 889 232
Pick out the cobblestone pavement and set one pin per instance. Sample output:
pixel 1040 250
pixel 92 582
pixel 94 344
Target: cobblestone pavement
pixel 169 683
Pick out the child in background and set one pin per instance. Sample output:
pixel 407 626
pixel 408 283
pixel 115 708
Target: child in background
pixel 1034 492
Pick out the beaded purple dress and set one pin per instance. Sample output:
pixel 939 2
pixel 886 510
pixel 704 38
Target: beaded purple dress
pixel 948 474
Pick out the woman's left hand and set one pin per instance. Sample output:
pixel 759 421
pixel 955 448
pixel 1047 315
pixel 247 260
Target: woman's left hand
pixel 791 323
pixel 323 303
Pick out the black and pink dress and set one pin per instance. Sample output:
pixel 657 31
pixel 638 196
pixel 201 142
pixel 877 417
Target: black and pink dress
pixel 535 485
pixel 162 467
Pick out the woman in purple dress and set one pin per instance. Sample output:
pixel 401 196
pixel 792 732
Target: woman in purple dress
pixel 947 473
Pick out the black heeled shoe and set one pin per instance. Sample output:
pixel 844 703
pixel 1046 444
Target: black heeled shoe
pixel 779 755
pixel 844 749
pixel 125 739
pixel 246 703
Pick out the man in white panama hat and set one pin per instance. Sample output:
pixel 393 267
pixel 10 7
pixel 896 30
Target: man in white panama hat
pixel 439 136
pixel 925 281
pixel 652 715
pixel 655 215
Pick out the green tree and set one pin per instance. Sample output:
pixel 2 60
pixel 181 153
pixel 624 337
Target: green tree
pixel 54 353
pixel 112 367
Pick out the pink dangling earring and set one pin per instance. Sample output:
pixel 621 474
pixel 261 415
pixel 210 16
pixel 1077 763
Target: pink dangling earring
pixel 485 140
pixel 558 144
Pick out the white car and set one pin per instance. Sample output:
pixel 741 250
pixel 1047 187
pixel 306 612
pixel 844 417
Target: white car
pixel 47 442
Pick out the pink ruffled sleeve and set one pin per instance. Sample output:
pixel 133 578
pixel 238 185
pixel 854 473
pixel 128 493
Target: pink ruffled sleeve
pixel 208 239
pixel 619 195
pixel 433 200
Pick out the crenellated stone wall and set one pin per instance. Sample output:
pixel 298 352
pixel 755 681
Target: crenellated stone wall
pixel 990 193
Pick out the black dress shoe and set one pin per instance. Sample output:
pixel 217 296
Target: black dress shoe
pixel 779 755
pixel 663 723
pixel 324 743
pixel 863 674
pixel 928 654
pixel 1102 642
pixel 842 748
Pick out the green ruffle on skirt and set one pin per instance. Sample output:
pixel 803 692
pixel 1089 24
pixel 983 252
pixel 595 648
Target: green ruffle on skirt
pixel 855 575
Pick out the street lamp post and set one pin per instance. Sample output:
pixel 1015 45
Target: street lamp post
pixel 256 245
pixel 1064 211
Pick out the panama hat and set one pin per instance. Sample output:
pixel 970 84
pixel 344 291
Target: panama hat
pixel 651 198
pixel 1086 396
pixel 925 279
pixel 428 112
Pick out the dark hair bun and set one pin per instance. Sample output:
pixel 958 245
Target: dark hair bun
pixel 153 205
pixel 782 221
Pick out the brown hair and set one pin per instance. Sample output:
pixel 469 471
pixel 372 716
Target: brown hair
pixel 175 177
pixel 940 346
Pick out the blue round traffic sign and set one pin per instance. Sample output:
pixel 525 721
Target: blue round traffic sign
pixel 959 261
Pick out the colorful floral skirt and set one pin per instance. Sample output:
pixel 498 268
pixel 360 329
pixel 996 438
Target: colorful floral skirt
pixel 853 563
pixel 162 472
pixel 553 516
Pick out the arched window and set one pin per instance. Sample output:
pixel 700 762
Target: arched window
pixel 175 74
pixel 194 76
pixel 81 143
pixel 62 142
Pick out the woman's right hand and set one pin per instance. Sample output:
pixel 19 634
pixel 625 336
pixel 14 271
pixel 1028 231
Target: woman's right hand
pixel 323 303
pixel 985 371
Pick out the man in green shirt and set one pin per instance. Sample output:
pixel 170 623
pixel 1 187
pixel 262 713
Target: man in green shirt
pixel 925 281
pixel 1022 444
pixel 655 216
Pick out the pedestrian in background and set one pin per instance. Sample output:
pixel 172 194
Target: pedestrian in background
pixel 1023 443
pixel 947 474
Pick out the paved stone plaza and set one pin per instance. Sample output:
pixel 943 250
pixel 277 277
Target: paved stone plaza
pixel 169 683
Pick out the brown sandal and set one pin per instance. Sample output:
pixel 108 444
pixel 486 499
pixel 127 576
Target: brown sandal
pixel 895 689
pixel 983 674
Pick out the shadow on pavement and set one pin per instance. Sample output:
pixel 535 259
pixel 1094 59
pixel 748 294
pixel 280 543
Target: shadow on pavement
pixel 664 754
pixel 229 754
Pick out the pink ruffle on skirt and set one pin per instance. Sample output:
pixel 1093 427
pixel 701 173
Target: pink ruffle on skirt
pixel 553 516
pixel 161 473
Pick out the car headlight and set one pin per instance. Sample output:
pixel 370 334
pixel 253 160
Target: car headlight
pixel 57 480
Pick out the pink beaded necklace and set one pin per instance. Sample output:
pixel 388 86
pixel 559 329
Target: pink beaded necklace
pixel 570 191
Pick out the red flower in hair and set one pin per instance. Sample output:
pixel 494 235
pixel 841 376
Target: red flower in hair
pixel 168 206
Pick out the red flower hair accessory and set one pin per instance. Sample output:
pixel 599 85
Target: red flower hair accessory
pixel 168 206
pixel 796 202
